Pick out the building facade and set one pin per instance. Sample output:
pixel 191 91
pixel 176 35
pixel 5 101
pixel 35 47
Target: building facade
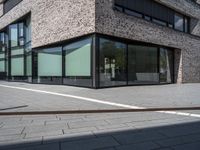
pixel 100 43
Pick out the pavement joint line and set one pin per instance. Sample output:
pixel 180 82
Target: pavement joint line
pixel 15 107
pixel 100 101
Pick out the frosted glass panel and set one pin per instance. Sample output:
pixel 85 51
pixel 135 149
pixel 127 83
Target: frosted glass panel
pixel 50 64
pixel 78 58
pixel 2 56
pixel 2 66
pixel 29 65
pixel 19 51
pixel 17 66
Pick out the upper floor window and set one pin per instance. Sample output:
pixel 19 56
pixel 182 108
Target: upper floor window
pixel 154 12
pixel 16 35
pixel 9 4
pixel 179 22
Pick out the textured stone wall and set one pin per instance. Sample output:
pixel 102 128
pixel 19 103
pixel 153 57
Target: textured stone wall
pixel 115 23
pixel 1 9
pixel 54 20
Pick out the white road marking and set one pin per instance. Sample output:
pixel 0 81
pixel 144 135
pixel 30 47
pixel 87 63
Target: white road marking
pixel 100 101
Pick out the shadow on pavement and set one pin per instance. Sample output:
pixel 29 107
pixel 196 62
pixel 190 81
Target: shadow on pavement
pixel 185 136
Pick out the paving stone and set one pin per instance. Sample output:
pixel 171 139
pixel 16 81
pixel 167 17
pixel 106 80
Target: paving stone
pixel 11 131
pixel 139 146
pixel 77 130
pixel 90 144
pixel 54 146
pixel 11 137
pixel 68 137
pixel 44 133
pixel 128 138
pixel 110 126
pixel 178 131
pixel 179 140
pixel 191 146
pixel 86 124
pixel 20 142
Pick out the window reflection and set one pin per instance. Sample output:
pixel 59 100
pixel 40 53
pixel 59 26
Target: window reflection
pixel 142 64
pixel 112 63
pixel 178 22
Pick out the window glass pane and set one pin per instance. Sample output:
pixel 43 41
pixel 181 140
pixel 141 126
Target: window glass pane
pixel 2 55
pixel 78 58
pixel 78 63
pixel 118 8
pixel 142 64
pixel 132 13
pixel 29 65
pixel 21 29
pixel 13 35
pixel 28 30
pixel 2 66
pixel 2 38
pixel 159 22
pixel 178 20
pixel 50 62
pixel 9 4
pixel 147 18
pixel 18 51
pixel 170 25
pixel 112 63
pixel 17 66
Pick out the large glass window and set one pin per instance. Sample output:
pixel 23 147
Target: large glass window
pixel 50 62
pixel 78 63
pixel 112 63
pixel 166 66
pixel 179 22
pixel 142 65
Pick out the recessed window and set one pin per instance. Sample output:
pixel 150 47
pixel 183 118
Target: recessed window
pixel 9 4
pixel 159 22
pixel 132 13
pixel 13 35
pixel 170 25
pixel 178 22
pixel 119 8
pixel 147 18
pixel 155 12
